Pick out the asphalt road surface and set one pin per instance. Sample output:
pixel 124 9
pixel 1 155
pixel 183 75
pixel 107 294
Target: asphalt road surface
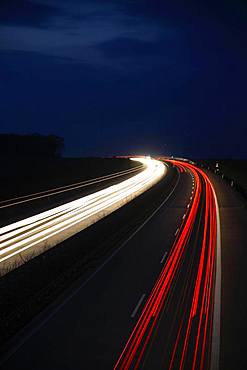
pixel 151 304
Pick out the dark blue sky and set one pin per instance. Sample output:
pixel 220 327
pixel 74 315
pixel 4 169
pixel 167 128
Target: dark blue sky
pixel 124 76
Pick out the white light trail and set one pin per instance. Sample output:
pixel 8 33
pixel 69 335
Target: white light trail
pixel 22 240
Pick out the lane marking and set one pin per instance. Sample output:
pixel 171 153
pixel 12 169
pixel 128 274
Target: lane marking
pixel 138 306
pixel 163 258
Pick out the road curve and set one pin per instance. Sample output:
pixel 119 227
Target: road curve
pixel 27 238
pixel 174 330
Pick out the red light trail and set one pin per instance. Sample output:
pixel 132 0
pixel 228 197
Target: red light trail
pixel 181 302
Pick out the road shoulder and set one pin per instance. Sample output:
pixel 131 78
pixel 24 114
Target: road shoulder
pixel 233 216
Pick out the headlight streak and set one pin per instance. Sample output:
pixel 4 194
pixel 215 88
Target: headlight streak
pixel 64 220
pixel 194 332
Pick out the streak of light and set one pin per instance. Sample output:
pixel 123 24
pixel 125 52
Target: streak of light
pixel 193 334
pixel 50 227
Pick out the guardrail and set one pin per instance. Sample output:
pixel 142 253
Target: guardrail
pixel 230 181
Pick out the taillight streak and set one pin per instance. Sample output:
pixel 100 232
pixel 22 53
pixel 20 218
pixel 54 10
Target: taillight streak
pixel 202 302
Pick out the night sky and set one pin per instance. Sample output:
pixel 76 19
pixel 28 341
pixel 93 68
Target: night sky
pixel 127 76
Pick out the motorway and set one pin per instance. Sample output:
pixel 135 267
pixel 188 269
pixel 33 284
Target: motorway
pixel 153 304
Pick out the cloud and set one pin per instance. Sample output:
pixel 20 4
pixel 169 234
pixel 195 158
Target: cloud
pixel 82 31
